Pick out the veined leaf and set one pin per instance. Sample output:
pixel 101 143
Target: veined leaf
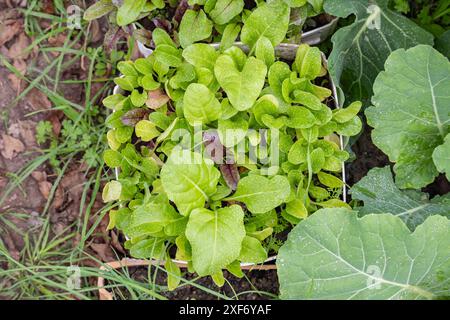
pixel 252 251
pixel 261 194
pixel 225 10
pixel 242 87
pixel 188 179
pixel 411 112
pixel 269 20
pixel 381 195
pixel 200 105
pixel 194 26
pixel 148 248
pixel 216 238
pixel 201 55
pixel 229 35
pixel 335 255
pixel 168 55
pixel 354 63
pixel 146 130
pixel 173 273
pixel 160 36
pixel 112 191
pixel 99 9
pixel 441 157
pixel 308 61
pixel 265 51
pixel 153 217
pixel 129 11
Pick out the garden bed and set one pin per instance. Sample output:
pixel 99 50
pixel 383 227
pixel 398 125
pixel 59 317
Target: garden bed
pixel 288 53
pixel 202 229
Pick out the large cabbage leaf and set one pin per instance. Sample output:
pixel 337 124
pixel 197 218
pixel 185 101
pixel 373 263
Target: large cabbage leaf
pixel 360 49
pixel 411 113
pixel 381 195
pixel 336 255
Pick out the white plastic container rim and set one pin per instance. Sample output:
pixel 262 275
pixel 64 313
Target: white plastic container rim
pixel 312 37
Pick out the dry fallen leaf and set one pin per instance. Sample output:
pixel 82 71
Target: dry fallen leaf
pixel 104 251
pixel 10 146
pixel 44 186
pixel 65 208
pixel 10 246
pixel 39 175
pixel 17 50
pixel 8 30
pixel 95 31
pixel 21 66
pixel 58 40
pixel 54 118
pixel 25 130
pixel 58 199
pixel 115 242
pixel 37 100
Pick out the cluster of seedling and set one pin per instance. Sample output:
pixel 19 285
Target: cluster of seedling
pixel 216 148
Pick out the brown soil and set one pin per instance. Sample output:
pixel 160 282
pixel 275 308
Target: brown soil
pixel 367 156
pixel 256 285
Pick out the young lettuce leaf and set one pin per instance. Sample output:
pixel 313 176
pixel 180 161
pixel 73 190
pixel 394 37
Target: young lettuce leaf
pixel 270 20
pixel 194 27
pixel 129 11
pixel 163 217
pixel 189 180
pixel 242 86
pixel 225 10
pixel 261 194
pixel 216 238
pixel 252 251
pixel 200 104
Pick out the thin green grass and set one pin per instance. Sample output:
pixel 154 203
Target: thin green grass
pixel 45 269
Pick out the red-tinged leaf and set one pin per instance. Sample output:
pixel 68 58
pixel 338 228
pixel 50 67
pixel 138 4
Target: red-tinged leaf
pixel 143 36
pixel 162 24
pixel 215 149
pixel 213 146
pixel 231 175
pixel 156 99
pixel 181 9
pixel 47 7
pixel 134 116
